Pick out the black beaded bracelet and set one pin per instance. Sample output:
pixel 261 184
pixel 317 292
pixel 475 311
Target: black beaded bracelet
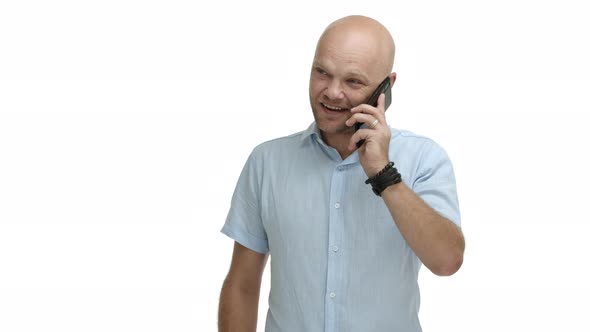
pixel 388 176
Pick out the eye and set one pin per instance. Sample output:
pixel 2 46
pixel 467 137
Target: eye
pixel 355 83
pixel 320 71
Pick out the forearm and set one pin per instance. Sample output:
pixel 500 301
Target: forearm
pixel 434 239
pixel 238 308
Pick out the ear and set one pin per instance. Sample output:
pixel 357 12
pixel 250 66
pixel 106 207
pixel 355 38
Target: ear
pixel 392 77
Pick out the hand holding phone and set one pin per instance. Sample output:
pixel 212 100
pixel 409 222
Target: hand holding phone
pixel 384 87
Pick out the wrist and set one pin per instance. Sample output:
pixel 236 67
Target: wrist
pixel 386 177
pixel 392 189
pixel 375 171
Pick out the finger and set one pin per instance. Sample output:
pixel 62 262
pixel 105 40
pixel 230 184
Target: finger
pixel 367 115
pixel 368 109
pixel 381 103
pixel 358 135
pixel 360 118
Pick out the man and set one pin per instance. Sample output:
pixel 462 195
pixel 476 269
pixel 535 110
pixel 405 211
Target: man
pixel 345 254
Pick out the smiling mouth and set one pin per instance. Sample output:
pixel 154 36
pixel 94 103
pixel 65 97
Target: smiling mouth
pixel 334 108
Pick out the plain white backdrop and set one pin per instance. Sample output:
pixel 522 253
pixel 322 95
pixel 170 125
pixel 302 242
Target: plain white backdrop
pixel 124 126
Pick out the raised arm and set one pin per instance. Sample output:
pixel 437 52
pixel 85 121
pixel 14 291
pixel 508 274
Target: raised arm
pixel 437 241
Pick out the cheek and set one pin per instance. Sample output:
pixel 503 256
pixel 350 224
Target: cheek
pixel 315 94
pixel 358 97
pixel 316 87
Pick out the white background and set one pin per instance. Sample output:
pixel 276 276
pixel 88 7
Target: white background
pixel 124 126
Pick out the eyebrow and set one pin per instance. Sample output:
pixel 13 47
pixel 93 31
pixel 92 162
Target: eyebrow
pixel 318 65
pixel 357 74
pixel 353 73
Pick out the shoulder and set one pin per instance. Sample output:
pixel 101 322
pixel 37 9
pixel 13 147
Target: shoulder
pixel 406 139
pixel 278 146
pixel 414 152
pixel 288 141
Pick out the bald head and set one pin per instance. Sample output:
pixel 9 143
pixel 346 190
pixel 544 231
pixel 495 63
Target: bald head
pixel 362 33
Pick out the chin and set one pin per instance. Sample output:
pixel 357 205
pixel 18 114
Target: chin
pixel 331 128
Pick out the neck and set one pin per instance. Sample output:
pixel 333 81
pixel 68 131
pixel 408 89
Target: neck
pixel 338 142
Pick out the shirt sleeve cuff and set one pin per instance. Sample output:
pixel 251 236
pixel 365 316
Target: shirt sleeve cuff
pixel 245 239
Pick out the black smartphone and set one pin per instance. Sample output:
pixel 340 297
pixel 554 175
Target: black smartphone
pixel 384 87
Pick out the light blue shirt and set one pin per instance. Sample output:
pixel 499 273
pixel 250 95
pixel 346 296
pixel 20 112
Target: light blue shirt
pixel 338 261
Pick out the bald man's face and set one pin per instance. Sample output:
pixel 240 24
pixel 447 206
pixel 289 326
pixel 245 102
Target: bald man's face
pixel 348 66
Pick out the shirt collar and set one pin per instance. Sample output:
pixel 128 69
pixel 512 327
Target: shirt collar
pixel 312 131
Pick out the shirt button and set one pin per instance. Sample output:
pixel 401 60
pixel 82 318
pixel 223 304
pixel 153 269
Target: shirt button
pixel 334 248
pixel 337 205
pixel 332 295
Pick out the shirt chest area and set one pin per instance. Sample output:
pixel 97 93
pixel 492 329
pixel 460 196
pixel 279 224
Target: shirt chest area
pixel 313 206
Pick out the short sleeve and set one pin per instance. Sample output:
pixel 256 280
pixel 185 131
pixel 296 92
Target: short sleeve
pixel 243 222
pixel 435 183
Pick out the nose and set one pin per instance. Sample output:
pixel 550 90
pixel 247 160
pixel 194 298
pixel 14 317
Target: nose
pixel 334 90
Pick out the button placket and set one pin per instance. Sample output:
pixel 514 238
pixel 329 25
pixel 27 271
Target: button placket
pixel 335 233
